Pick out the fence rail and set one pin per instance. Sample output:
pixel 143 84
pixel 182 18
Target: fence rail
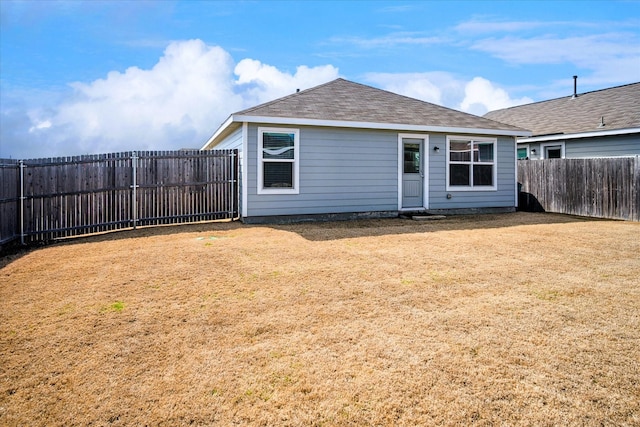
pixel 44 199
pixel 601 187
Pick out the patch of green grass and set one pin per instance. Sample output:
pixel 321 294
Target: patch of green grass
pixel 115 307
pixel 546 294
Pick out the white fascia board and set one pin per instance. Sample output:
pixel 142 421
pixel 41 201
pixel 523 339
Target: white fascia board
pixel 563 136
pixel 223 127
pixel 371 125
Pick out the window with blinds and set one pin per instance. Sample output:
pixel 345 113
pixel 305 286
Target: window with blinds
pixel 278 161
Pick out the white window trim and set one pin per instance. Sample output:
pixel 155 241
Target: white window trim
pixel 296 162
pixel 493 187
pixel 544 145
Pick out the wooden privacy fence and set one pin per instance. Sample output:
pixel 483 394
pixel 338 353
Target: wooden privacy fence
pixel 600 187
pixel 44 199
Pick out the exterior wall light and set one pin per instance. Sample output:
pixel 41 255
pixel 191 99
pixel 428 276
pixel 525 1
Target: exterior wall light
pixel 436 149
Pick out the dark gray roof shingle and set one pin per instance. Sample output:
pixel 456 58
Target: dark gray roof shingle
pixel 343 100
pixel 619 107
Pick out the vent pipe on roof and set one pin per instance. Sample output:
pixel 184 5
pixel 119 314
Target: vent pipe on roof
pixel 575 87
pixel 297 90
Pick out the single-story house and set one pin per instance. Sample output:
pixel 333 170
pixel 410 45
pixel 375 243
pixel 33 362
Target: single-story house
pixel 343 149
pixel 602 123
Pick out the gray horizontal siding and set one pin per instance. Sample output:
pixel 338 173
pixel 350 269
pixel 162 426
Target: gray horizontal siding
pixel 356 170
pixel 604 146
pixel 505 196
pixel 341 170
pixel 232 141
pixel 612 146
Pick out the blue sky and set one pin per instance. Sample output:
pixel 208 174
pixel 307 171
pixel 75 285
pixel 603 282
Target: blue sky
pixel 103 76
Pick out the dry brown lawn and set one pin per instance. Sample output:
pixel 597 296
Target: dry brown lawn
pixel 517 319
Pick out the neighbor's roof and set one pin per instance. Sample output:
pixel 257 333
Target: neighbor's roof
pixel 618 107
pixel 343 103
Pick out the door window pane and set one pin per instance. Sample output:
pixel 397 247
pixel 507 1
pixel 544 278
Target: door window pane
pixel 411 158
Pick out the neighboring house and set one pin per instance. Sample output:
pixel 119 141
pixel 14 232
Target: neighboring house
pixel 343 149
pixel 602 123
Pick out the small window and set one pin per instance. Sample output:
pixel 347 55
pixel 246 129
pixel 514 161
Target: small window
pixel 278 161
pixel 471 163
pixel 553 150
pixel 522 154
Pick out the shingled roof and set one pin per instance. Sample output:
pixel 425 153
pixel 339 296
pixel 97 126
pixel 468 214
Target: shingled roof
pixel 343 100
pixel 343 103
pixel 616 107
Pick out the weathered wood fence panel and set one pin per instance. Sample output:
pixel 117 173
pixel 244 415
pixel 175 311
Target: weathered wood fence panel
pixel 9 199
pixel 44 199
pixel 599 187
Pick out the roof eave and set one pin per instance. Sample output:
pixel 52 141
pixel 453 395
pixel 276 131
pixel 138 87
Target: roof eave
pixel 561 137
pixel 222 131
pixel 367 125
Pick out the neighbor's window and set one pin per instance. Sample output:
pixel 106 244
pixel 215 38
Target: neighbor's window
pixel 278 161
pixel 553 153
pixel 471 163
pixel 522 153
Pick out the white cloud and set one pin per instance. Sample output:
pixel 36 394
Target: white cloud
pixel 261 82
pixel 423 86
pixel 390 40
pixel 482 96
pixel 476 96
pixel 178 103
pixel 487 25
pixel 610 57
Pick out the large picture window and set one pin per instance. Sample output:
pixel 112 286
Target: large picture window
pixel 471 163
pixel 278 166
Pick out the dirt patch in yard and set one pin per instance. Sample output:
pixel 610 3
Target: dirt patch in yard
pixel 530 319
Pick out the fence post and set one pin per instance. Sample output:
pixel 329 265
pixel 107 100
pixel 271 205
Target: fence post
pixel 134 195
pixel 232 190
pixel 635 188
pixel 21 165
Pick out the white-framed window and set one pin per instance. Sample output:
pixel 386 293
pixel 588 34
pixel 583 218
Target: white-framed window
pixel 278 161
pixel 471 163
pixel 552 150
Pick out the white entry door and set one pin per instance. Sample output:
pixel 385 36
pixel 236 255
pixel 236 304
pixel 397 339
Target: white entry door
pixel 412 182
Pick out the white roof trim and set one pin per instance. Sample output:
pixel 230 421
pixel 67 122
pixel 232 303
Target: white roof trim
pixel 372 125
pixel 217 133
pixel 562 136
pixel 349 124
